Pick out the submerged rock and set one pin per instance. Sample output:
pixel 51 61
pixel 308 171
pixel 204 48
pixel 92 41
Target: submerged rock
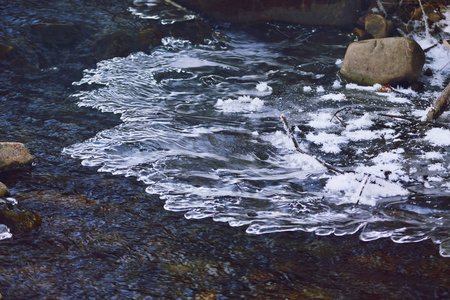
pixel 13 155
pixel 118 44
pixel 309 12
pixel 17 219
pixel 384 61
pixel 58 34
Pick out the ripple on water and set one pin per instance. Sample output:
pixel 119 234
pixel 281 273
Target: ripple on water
pixel 201 128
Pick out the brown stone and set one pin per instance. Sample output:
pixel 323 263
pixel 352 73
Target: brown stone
pixel 148 38
pixel 361 34
pixel 18 220
pixel 384 61
pixel 377 26
pixel 4 192
pixel 418 12
pixel 207 295
pixel 13 155
pixel 434 17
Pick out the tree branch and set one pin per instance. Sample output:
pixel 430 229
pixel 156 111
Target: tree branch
pixel 440 105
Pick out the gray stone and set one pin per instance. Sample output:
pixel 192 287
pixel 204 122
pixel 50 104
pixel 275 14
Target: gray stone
pixel 383 61
pixel 13 155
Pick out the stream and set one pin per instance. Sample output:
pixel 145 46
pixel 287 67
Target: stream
pixel 201 128
pixel 180 181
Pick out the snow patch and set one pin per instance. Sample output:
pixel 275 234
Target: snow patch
pixel 330 142
pixel 438 137
pixel 263 87
pixel 242 104
pixel 362 188
pixel 335 97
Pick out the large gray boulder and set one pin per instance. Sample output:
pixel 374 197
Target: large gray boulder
pixel 310 12
pixel 13 155
pixel 383 61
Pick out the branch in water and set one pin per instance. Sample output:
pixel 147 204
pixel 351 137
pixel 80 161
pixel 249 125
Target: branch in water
pixel 367 176
pixel 290 133
pixel 440 105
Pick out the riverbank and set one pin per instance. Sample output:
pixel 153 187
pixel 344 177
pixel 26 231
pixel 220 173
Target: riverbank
pixel 103 236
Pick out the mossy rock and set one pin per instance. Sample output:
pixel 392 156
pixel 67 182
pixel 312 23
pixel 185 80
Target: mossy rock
pixel 17 219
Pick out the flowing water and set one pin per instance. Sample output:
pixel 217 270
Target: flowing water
pixel 195 129
pixel 201 128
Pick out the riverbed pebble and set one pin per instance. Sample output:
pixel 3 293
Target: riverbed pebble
pixel 13 154
pixel 378 26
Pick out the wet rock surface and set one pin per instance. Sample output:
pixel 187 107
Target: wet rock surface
pixel 103 237
pixel 377 26
pixel 13 155
pixel 384 61
pixel 17 219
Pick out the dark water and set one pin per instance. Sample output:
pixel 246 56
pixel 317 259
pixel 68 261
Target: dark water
pixel 195 129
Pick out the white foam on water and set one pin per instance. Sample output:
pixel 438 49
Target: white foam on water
pixel 331 143
pixel 204 134
pixel 241 104
pixel 363 188
pixel 4 232
pixel 334 97
pixel 264 87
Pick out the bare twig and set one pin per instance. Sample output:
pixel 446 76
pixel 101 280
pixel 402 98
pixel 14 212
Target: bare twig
pixel 362 187
pixel 373 178
pixel 398 117
pixel 339 119
pixel 290 133
pixel 415 122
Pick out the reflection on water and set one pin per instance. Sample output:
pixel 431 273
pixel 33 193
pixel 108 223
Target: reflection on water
pixel 201 128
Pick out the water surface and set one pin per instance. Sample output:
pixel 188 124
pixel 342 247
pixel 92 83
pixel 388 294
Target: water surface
pixel 201 128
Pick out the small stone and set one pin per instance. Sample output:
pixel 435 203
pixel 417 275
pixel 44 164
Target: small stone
pixel 18 220
pixel 434 17
pixel 4 192
pixel 207 295
pixel 428 72
pixel 116 44
pixel 148 38
pixel 377 26
pixel 361 34
pixel 384 61
pixel 13 155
